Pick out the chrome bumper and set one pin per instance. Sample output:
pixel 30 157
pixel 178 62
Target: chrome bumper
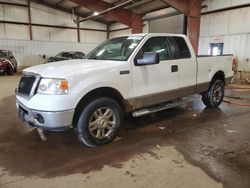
pixel 52 121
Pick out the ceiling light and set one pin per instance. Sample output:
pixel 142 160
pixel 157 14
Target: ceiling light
pixel 96 13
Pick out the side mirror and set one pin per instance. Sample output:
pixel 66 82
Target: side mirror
pixel 149 58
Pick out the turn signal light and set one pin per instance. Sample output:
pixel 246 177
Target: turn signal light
pixel 64 85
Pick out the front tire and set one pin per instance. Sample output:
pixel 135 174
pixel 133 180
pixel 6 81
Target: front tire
pixel 99 122
pixel 215 94
pixel 10 71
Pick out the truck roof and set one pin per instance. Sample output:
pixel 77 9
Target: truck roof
pixel 155 34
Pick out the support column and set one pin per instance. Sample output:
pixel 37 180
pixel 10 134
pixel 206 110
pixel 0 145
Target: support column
pixel 30 26
pixel 78 31
pixel 193 24
pixel 191 9
pixel 108 31
pixel 137 24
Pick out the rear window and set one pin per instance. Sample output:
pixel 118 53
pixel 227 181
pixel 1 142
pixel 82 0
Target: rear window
pixel 182 48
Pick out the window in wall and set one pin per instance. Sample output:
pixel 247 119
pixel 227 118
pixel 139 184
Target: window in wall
pixel 216 49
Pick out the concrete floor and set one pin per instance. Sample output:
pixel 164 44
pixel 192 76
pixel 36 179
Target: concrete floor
pixel 189 147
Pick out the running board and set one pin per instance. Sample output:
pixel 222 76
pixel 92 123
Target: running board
pixel 161 107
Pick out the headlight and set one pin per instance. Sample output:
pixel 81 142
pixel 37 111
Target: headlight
pixel 53 86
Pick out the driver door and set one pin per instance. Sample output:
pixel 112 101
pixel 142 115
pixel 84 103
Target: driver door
pixel 156 83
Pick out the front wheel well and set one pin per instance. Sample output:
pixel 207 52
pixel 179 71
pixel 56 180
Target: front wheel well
pixel 97 93
pixel 219 76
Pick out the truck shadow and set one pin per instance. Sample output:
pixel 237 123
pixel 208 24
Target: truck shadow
pixel 23 153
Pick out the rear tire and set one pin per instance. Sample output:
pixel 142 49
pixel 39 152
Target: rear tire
pixel 213 97
pixel 99 122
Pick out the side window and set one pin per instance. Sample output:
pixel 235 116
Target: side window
pixel 159 45
pixel 182 48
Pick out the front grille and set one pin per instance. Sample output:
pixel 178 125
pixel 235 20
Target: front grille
pixel 26 84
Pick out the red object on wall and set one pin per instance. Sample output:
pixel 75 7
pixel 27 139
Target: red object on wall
pixel 234 64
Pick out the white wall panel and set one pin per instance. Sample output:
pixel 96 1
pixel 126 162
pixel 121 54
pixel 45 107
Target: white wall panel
pixel 57 34
pixel 205 24
pixel 215 4
pixel 172 24
pixel 2 31
pixel 46 40
pixel 240 2
pixel 219 23
pixel 239 21
pixel 14 13
pixel 50 16
pixel 41 33
pixel 30 53
pixel 220 4
pixel 120 33
pixel 60 18
pixel 117 26
pixel 93 25
pixel 145 28
pixel 93 36
pixel 239 45
pixel 40 14
pixel 1 13
pixel 233 26
pixel 13 31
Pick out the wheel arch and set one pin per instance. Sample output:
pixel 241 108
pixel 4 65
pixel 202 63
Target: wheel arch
pixel 96 93
pixel 219 75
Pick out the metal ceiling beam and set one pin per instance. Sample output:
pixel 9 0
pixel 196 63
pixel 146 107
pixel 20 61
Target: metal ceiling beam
pixel 51 5
pixel 192 9
pixel 14 4
pixel 119 14
pixel 60 3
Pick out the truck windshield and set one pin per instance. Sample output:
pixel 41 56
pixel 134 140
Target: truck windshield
pixel 118 49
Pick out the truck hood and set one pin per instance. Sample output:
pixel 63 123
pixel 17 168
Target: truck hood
pixel 56 58
pixel 64 69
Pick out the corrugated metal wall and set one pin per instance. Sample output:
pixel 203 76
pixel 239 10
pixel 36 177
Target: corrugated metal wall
pixel 46 40
pixel 172 24
pixel 231 27
pixel 30 53
pixel 118 29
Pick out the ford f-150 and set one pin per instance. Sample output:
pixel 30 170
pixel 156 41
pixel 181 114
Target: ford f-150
pixel 139 74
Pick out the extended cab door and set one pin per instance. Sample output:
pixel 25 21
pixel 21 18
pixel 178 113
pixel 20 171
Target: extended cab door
pixel 156 83
pixel 185 59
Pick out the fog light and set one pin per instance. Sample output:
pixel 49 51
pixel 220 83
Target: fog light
pixel 40 118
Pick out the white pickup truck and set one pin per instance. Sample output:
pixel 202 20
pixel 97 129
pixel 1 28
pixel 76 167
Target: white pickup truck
pixel 140 74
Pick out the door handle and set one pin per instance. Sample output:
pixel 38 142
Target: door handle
pixel 174 68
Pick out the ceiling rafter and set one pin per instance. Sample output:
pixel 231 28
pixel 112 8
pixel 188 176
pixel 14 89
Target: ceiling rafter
pixel 121 15
pixel 67 10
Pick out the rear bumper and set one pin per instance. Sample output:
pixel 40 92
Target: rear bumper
pixel 47 120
